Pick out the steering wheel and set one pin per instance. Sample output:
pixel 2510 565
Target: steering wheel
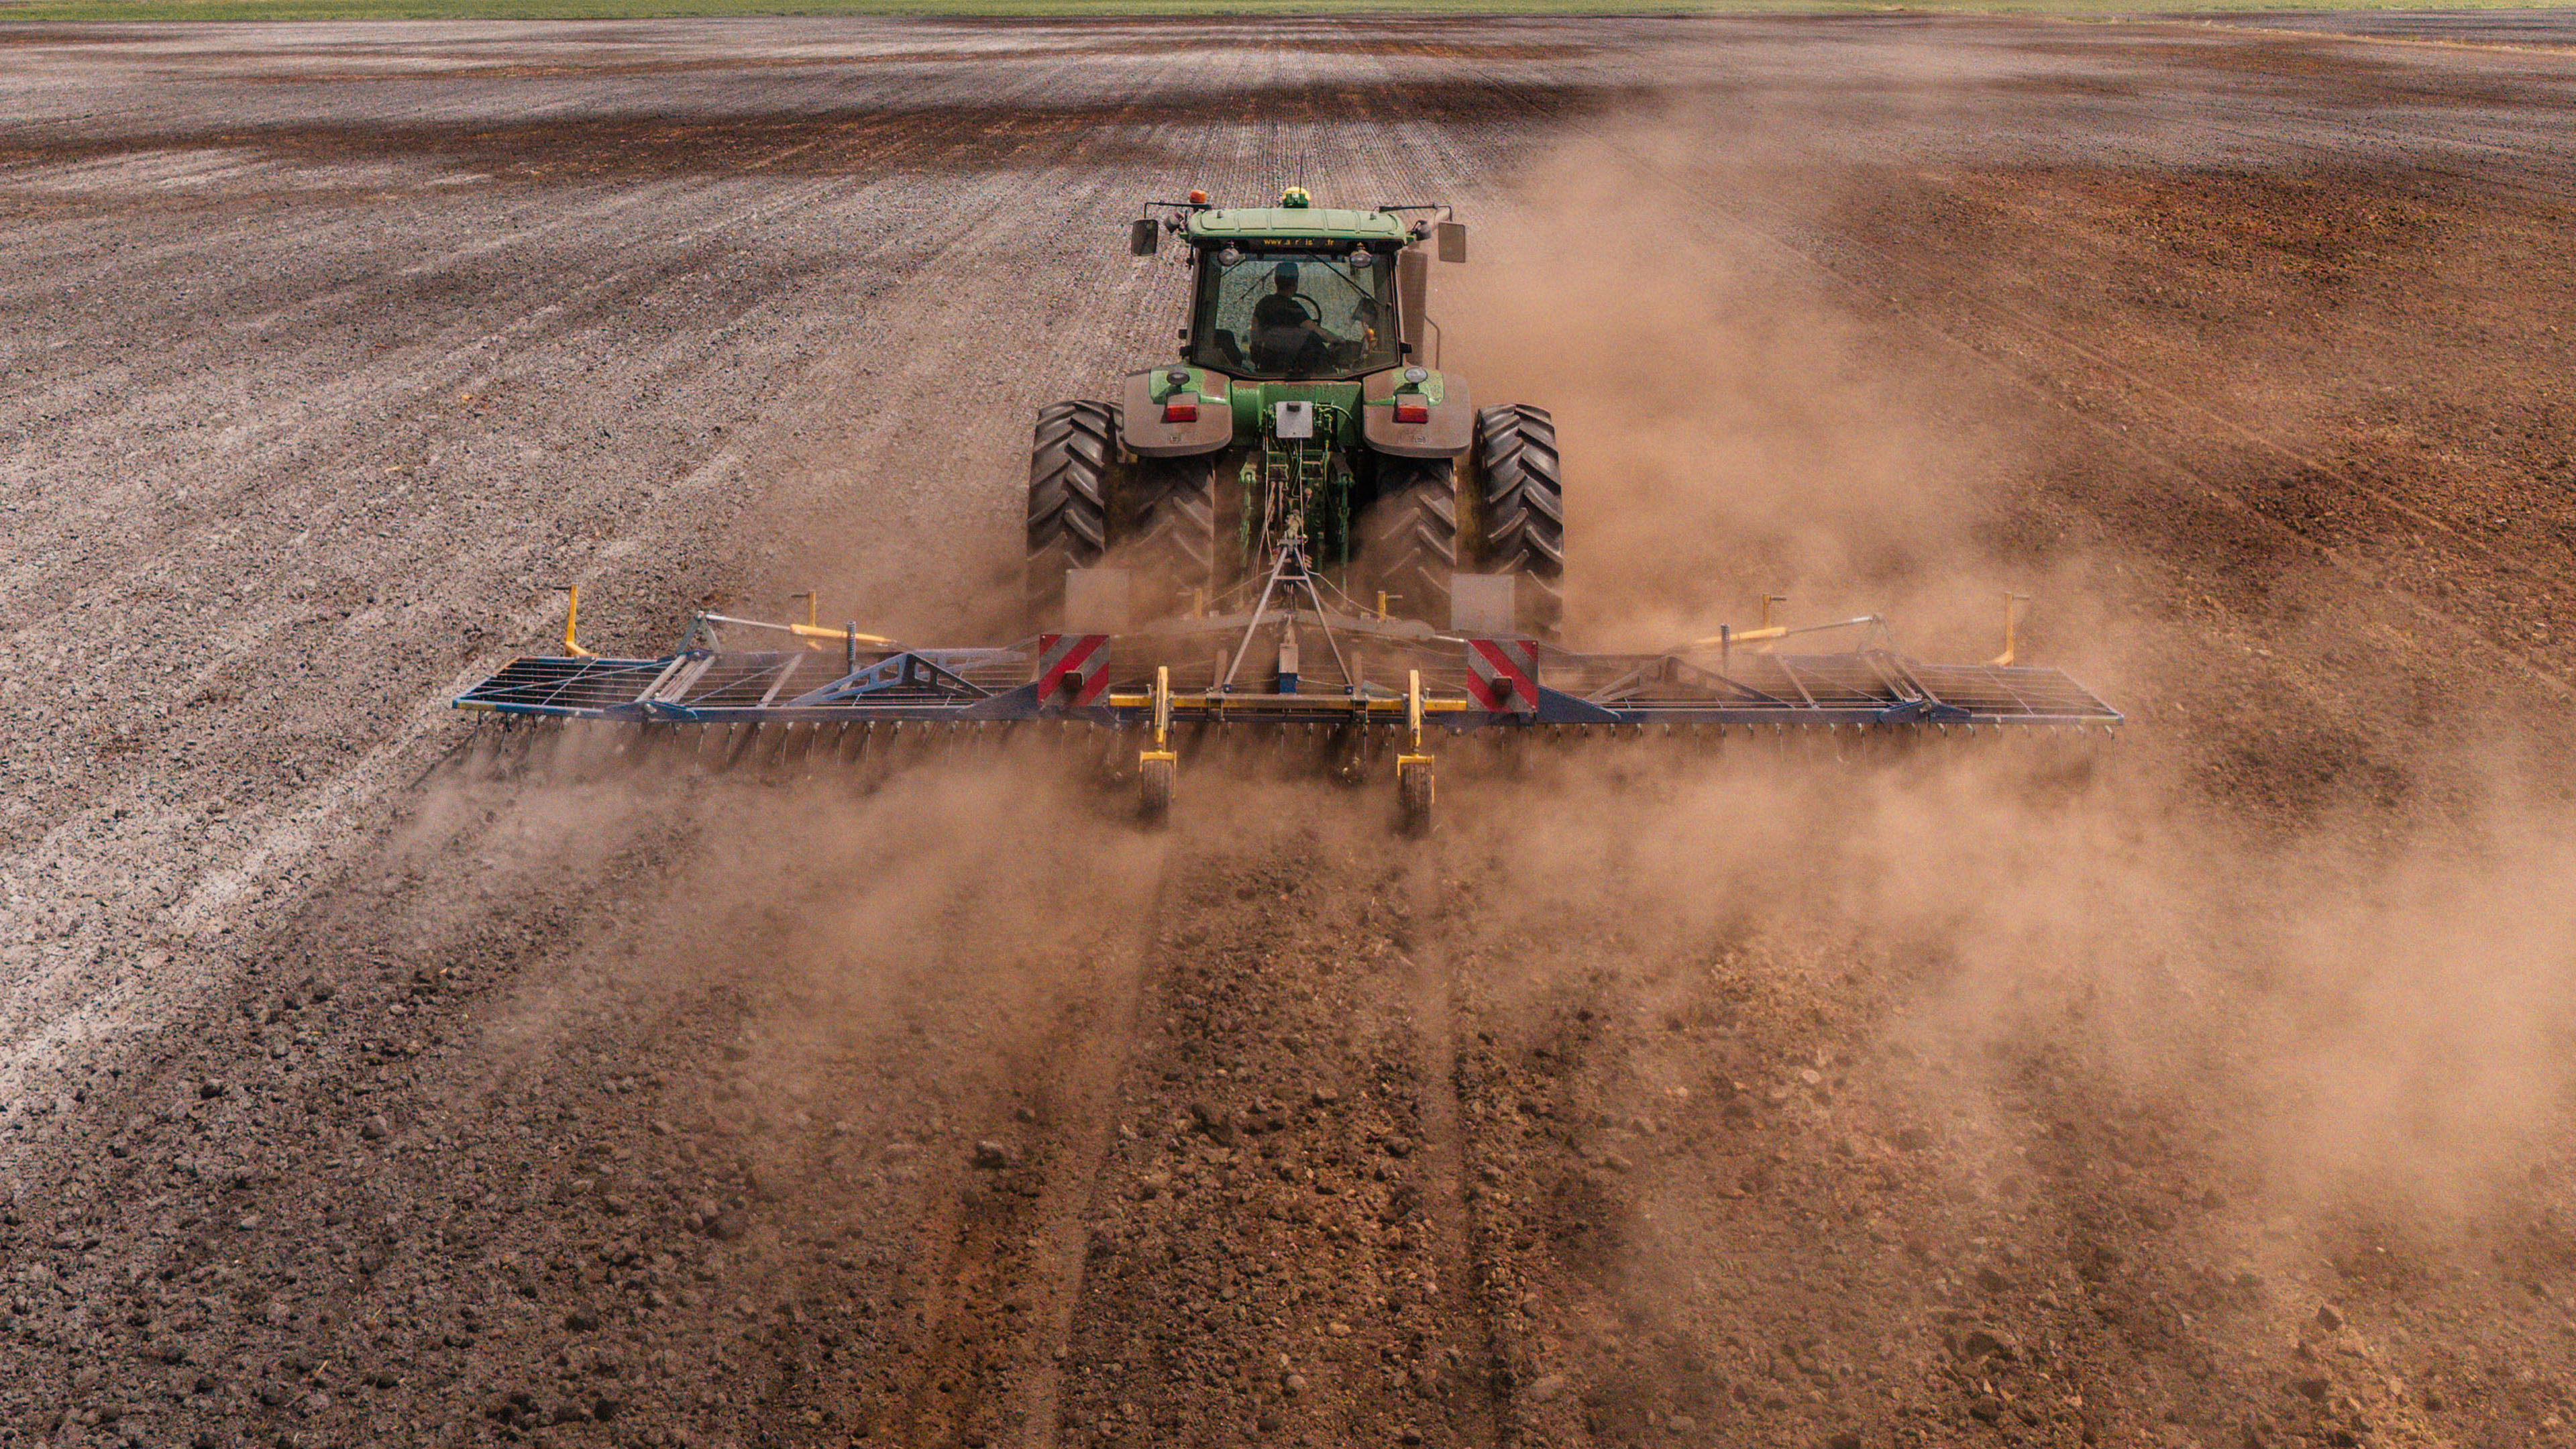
pixel 1304 348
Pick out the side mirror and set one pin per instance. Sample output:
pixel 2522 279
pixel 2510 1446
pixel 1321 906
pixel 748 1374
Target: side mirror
pixel 1452 240
pixel 1144 236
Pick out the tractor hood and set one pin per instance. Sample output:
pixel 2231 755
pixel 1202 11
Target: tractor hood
pixel 1295 225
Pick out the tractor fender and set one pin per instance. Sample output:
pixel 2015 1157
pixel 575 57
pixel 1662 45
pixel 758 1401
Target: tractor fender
pixel 1452 425
pixel 1145 434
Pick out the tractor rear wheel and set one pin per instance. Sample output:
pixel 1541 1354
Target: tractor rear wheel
pixel 1523 510
pixel 1409 535
pixel 1072 460
pixel 1175 527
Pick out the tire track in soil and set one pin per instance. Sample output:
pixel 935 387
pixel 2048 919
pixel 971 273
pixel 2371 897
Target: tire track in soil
pixel 1604 1331
pixel 999 1264
pixel 1278 1246
pixel 1535 1217
pixel 1463 1247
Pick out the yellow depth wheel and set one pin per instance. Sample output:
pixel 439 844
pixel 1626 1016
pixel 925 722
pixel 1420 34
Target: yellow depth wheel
pixel 1413 792
pixel 1413 768
pixel 1154 783
pixel 1154 767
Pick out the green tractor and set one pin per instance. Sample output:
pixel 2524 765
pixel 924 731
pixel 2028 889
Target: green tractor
pixel 1305 409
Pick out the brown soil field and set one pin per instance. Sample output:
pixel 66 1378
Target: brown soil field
pixel 2213 1094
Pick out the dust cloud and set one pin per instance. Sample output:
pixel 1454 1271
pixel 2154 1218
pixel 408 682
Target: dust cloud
pixel 1737 428
pixel 2380 1024
pixel 876 943
pixel 2364 1006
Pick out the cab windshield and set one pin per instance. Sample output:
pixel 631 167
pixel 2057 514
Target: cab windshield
pixel 1294 314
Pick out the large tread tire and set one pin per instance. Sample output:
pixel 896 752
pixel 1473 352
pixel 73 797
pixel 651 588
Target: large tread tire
pixel 1073 460
pixel 1409 536
pixel 1175 548
pixel 1523 510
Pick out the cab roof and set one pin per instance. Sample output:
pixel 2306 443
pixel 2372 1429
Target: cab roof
pixel 1294 225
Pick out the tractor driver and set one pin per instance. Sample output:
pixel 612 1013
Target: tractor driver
pixel 1285 337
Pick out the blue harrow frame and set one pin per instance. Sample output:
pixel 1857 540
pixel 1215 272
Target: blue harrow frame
pixel 1112 681
pixel 1376 682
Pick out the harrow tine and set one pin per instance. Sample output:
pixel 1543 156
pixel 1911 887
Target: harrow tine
pixel 646 749
pixel 481 757
pixel 564 752
pixel 518 749
pixel 875 759
pixel 769 749
pixel 639 746
pixel 500 752
pixel 632 748
pixel 593 749
pixel 733 745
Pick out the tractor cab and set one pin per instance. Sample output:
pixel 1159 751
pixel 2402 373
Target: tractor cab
pixel 1293 291
pixel 1308 418
pixel 1284 312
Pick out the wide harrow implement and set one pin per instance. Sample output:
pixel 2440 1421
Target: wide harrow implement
pixel 1301 661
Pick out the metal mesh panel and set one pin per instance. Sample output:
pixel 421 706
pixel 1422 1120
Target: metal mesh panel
pixel 566 684
pixel 737 681
pixel 2011 693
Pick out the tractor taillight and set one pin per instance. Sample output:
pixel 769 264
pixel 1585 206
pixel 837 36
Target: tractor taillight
pixel 1181 407
pixel 1412 408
